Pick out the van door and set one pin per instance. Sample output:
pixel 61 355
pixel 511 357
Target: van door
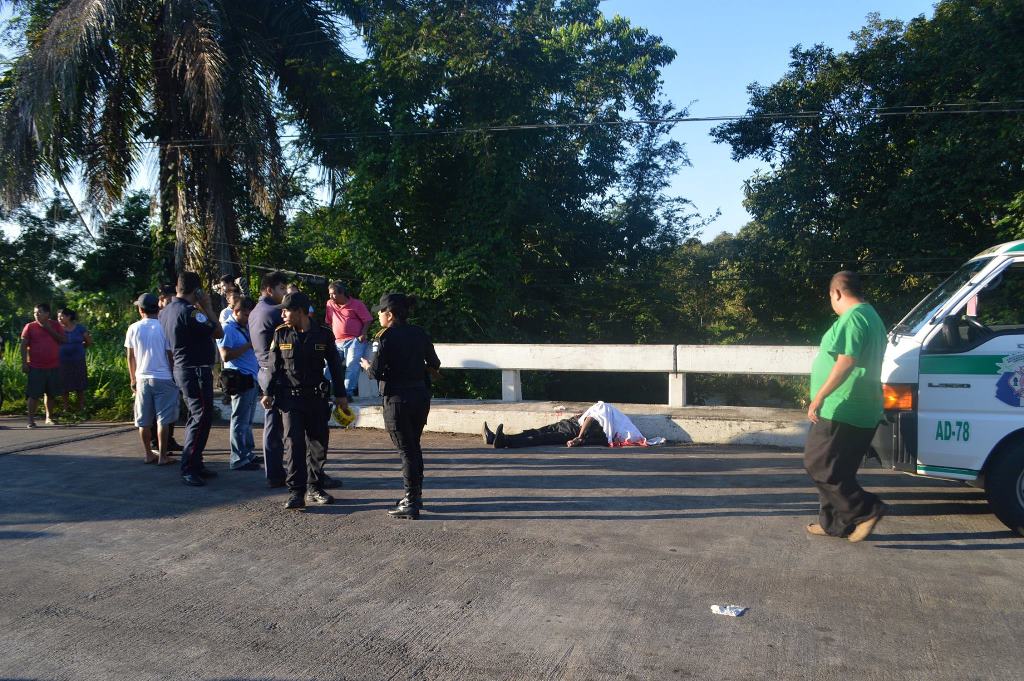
pixel 971 389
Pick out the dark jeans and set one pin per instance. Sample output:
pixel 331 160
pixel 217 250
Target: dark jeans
pixel 305 440
pixel 557 434
pixel 405 415
pixel 832 455
pixel 273 435
pixel 196 386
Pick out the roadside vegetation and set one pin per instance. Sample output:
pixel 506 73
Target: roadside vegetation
pixel 391 168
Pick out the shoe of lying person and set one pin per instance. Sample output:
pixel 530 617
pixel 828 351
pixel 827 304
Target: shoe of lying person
pixel 488 435
pixel 499 437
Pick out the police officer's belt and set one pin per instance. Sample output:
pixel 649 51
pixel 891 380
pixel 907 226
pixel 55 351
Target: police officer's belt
pixel 320 390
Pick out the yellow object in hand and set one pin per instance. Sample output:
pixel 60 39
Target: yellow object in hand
pixel 345 417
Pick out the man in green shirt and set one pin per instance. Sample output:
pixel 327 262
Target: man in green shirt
pixel 845 408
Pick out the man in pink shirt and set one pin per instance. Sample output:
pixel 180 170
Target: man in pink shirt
pixel 349 320
pixel 40 359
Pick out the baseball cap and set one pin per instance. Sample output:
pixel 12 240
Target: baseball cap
pixel 148 302
pixel 389 301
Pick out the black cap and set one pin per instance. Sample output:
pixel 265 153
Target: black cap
pixel 390 301
pixel 296 301
pixel 148 302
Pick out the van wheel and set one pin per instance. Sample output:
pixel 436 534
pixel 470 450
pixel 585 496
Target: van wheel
pixel 1004 487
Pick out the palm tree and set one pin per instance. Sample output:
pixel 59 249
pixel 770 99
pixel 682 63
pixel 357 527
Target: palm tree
pixel 204 81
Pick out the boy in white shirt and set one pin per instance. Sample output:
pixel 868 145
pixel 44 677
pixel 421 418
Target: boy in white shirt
pixel 149 369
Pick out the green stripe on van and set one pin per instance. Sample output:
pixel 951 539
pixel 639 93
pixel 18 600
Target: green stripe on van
pixel 961 364
pixel 946 470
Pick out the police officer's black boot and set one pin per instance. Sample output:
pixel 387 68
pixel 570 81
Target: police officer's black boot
pixel 408 507
pixel 315 495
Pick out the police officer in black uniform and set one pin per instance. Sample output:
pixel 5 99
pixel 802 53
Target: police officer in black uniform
pixel 403 364
pixel 263 320
pixel 191 326
pixel 298 351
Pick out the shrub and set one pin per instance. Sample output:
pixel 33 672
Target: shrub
pixel 109 397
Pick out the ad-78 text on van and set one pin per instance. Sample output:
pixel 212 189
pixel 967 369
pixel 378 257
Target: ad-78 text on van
pixel 953 381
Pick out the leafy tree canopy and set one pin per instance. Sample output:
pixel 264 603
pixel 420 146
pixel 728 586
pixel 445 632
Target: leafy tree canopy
pixel 95 84
pixel 908 168
pixel 556 232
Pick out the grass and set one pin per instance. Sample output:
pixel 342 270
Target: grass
pixel 109 397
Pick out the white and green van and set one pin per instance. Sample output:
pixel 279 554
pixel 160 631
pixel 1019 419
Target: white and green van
pixel 954 383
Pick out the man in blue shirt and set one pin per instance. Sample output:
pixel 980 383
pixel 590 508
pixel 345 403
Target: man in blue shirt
pixel 191 325
pixel 264 318
pixel 240 364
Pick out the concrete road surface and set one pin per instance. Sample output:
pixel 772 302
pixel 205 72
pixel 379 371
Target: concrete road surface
pixel 528 564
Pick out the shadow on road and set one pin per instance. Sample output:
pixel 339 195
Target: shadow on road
pixel 927 541
pixel 466 485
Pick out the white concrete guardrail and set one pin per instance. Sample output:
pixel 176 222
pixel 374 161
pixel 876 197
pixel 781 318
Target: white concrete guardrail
pixel 675 360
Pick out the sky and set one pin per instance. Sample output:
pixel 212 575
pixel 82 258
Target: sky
pixel 722 46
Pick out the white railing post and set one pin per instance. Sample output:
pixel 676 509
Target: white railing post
pixel 677 390
pixel 511 386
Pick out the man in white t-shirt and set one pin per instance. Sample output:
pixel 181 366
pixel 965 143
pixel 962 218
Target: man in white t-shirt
pixel 149 369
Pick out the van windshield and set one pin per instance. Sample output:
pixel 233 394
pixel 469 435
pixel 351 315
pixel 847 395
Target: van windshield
pixel 927 308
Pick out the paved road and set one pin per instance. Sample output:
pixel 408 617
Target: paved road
pixel 530 564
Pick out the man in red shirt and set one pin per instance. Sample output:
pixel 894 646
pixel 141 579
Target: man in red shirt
pixel 349 320
pixel 40 359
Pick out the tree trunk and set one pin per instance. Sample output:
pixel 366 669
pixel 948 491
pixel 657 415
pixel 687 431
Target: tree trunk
pixel 221 221
pixel 167 126
pixel 196 193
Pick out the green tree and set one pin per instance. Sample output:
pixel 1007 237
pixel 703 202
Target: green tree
pixel 122 259
pixel 908 162
pixel 43 253
pixel 543 234
pixel 97 82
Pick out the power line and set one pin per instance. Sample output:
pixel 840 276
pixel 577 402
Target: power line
pixel 553 268
pixel 242 265
pixel 631 281
pixel 600 269
pixel 941 109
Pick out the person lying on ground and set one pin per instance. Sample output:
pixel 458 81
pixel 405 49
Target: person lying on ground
pixel 601 424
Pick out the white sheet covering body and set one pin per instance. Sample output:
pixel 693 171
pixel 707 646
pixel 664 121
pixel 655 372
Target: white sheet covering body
pixel 614 423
